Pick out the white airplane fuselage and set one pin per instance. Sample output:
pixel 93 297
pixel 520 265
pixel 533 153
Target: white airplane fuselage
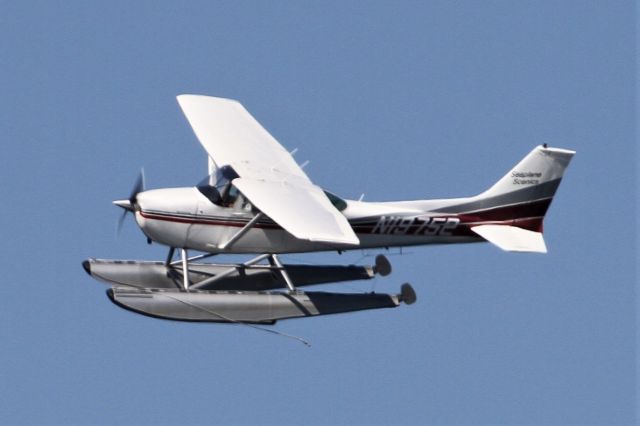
pixel 184 218
pixel 256 199
pixel 509 214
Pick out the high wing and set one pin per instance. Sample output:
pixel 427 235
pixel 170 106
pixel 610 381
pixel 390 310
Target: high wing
pixel 269 177
pixel 231 136
pixel 307 212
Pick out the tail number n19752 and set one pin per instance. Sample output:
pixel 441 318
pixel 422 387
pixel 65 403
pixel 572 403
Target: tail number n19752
pixel 415 225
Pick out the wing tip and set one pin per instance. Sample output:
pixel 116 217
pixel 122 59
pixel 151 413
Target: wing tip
pixel 187 97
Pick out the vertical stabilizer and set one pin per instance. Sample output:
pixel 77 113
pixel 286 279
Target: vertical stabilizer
pixel 542 168
pixel 511 212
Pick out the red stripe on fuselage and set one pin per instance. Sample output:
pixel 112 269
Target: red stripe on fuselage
pixel 527 215
pixel 194 220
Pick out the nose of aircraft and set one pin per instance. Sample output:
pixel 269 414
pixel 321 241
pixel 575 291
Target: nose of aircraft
pixel 162 214
pixel 181 201
pixel 125 204
pixel 129 205
pixel 157 211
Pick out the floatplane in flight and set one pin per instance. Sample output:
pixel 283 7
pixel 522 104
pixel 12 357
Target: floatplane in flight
pixel 257 200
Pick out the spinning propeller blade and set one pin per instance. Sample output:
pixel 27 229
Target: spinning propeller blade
pixel 129 205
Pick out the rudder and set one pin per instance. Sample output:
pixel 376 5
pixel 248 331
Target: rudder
pixel 511 212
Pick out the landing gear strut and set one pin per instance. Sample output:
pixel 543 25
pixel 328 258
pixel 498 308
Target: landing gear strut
pixel 283 272
pixel 185 268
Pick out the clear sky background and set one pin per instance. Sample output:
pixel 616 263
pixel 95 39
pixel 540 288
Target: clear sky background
pixel 399 100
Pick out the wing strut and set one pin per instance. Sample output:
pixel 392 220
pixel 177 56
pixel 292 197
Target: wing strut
pixel 241 232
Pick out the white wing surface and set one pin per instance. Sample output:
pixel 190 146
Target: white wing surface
pixel 269 177
pixel 304 211
pixel 231 136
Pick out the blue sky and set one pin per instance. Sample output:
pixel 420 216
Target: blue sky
pixel 397 100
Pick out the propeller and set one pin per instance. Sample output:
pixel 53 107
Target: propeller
pixel 129 205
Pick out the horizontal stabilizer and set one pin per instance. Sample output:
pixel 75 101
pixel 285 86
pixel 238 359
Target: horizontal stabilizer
pixel 512 238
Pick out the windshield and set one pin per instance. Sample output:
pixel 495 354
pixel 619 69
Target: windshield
pixel 217 187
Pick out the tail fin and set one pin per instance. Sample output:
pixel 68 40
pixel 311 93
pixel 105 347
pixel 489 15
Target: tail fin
pixel 510 213
pixel 540 171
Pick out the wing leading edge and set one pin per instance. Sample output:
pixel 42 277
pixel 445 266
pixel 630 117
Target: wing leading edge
pixel 269 177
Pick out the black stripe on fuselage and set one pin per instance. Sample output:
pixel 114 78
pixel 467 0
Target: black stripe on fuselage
pixel 208 220
pixel 525 195
pixel 528 215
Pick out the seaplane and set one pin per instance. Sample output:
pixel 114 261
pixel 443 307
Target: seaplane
pixel 257 201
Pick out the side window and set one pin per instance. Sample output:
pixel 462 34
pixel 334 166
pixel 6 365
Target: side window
pixel 242 204
pixel 231 195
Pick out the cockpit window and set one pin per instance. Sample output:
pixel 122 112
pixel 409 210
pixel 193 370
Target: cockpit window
pixel 232 195
pixel 217 187
pixel 211 192
pixel 337 202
